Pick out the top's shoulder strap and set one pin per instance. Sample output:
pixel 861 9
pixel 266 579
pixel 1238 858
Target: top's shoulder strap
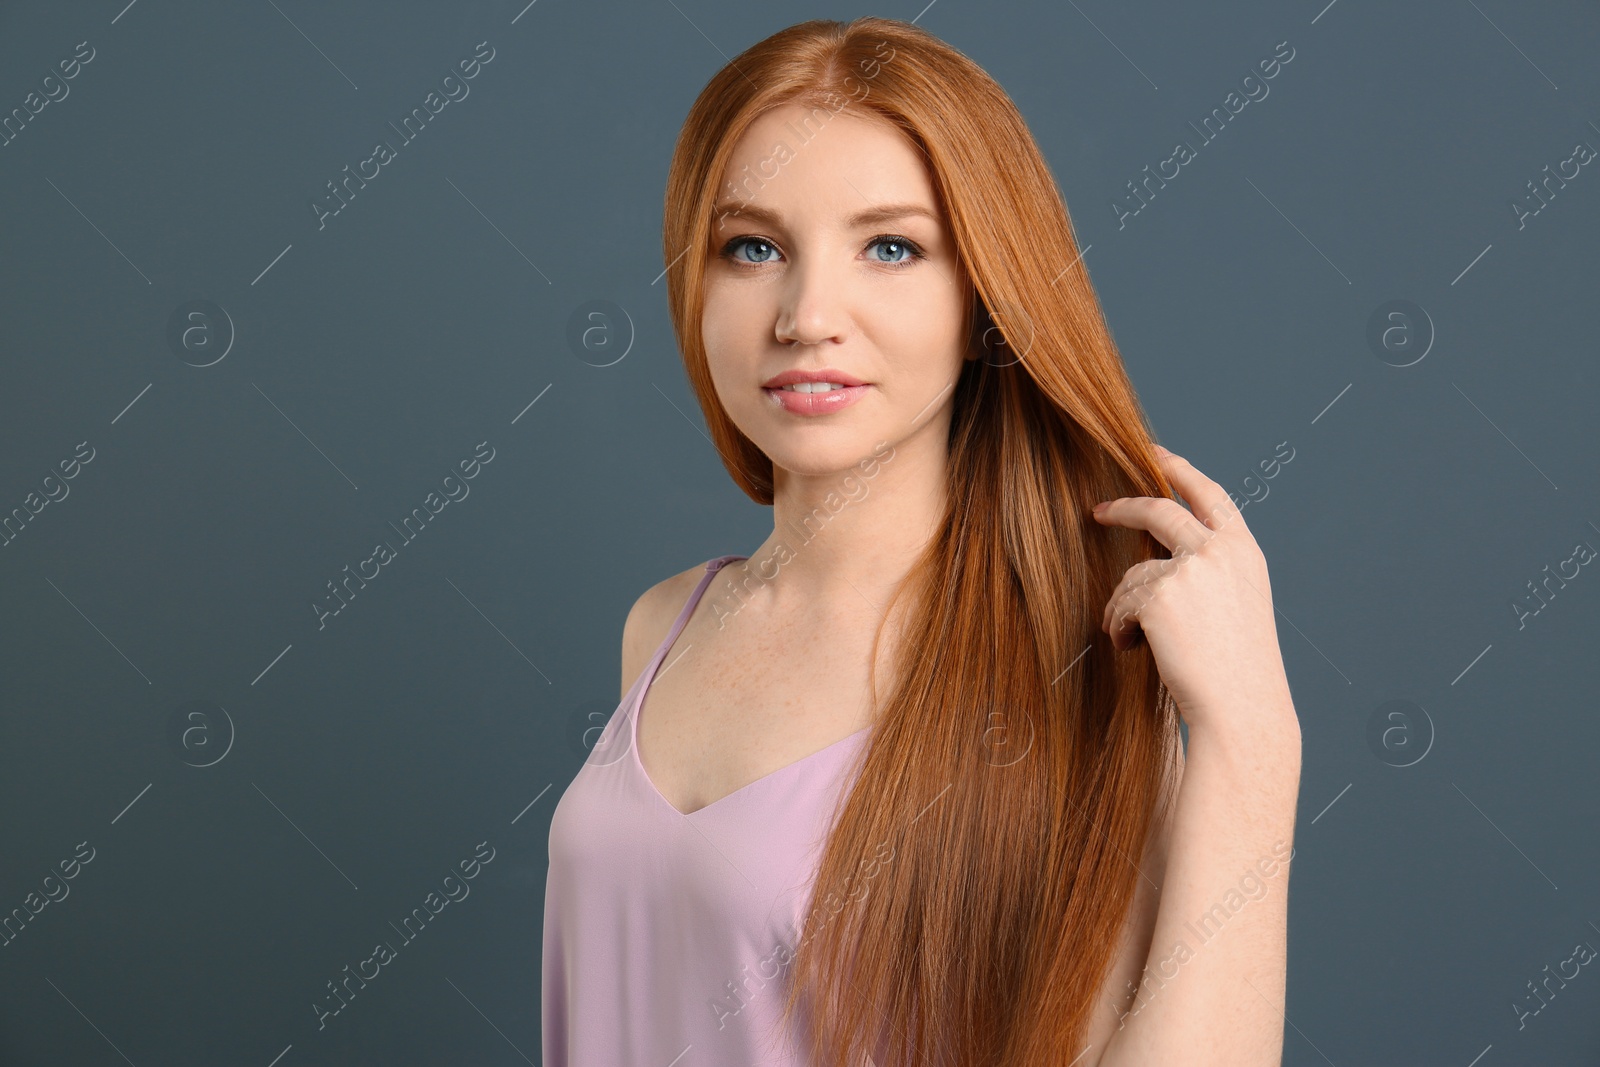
pixel 712 567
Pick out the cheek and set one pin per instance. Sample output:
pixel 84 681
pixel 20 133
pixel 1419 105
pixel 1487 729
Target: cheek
pixel 730 330
pixel 928 340
pixel 718 345
pixel 729 327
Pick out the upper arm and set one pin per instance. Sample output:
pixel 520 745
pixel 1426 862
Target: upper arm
pixel 1116 995
pixel 648 621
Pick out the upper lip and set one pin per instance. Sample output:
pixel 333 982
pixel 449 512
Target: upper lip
pixel 793 377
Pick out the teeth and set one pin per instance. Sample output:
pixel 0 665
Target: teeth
pixel 812 387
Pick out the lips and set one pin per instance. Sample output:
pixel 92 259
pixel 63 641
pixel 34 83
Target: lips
pixel 827 374
pixel 823 403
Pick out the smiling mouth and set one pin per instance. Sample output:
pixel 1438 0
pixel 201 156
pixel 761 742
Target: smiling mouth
pixel 812 387
pixel 810 399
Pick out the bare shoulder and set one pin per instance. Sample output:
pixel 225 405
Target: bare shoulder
pixel 650 618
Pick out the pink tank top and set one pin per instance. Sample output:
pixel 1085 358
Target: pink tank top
pixel 667 937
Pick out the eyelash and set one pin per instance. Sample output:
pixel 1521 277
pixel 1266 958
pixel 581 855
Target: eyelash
pixel 914 250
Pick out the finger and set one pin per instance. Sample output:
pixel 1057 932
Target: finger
pixel 1210 503
pixel 1124 625
pixel 1164 518
pixel 1124 610
pixel 1138 577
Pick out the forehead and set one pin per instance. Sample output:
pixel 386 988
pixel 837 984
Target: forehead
pixel 800 161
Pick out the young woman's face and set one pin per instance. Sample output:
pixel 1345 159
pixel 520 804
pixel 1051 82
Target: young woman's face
pixel 803 278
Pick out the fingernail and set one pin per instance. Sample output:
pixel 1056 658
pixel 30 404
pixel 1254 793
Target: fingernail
pixel 1098 508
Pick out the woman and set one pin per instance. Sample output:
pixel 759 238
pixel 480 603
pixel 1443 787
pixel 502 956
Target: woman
pixel 907 784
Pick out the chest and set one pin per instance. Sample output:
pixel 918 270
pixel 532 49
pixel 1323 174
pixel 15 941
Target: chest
pixel 727 709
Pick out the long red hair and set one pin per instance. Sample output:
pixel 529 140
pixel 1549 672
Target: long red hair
pixel 968 904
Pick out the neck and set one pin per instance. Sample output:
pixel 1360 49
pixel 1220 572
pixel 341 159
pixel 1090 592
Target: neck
pixel 842 541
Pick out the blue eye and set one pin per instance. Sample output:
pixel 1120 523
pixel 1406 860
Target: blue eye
pixel 738 242
pixel 912 252
pixel 900 242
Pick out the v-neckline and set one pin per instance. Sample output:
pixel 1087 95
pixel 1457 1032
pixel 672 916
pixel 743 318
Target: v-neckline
pixel 652 670
pixel 786 768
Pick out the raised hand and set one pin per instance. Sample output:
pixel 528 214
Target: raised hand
pixel 1206 612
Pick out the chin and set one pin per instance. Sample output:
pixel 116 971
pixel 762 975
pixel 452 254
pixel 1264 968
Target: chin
pixel 820 454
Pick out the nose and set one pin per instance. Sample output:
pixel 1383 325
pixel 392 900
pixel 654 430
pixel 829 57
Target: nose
pixel 812 308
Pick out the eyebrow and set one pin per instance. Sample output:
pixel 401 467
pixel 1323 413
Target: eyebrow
pixel 869 217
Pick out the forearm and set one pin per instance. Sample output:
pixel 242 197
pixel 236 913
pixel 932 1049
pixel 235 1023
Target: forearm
pixel 1213 987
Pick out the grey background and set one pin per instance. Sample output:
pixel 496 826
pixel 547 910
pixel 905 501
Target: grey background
pixel 446 705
